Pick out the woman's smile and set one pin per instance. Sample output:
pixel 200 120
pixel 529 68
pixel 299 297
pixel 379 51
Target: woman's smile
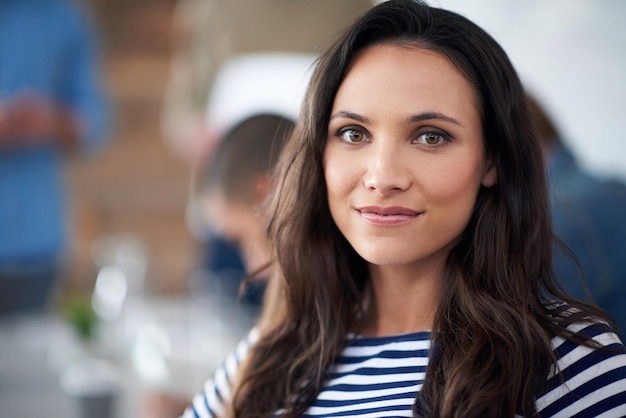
pixel 387 216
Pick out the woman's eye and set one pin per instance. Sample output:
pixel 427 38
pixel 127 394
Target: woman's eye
pixel 352 135
pixel 431 138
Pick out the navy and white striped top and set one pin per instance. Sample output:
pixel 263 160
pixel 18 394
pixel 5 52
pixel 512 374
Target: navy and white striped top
pixel 381 377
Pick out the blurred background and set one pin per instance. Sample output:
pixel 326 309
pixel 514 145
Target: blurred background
pixel 130 213
pixel 136 185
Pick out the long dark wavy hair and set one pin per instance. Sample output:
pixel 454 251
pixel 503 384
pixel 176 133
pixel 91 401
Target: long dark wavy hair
pixel 491 335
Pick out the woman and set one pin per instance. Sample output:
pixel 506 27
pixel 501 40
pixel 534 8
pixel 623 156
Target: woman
pixel 413 246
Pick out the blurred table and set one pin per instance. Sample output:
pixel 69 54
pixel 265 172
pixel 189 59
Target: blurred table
pixel 162 343
pixel 28 385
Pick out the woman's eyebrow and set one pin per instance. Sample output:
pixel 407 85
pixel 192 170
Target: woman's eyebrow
pixel 350 115
pixel 420 117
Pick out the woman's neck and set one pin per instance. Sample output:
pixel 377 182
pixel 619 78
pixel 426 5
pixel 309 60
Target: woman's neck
pixel 400 301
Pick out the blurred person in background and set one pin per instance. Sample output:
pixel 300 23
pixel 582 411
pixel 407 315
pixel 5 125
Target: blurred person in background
pixel 233 187
pixel 51 106
pixel 245 86
pixel 588 215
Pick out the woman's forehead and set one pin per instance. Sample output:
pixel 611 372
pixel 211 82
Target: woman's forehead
pixel 410 79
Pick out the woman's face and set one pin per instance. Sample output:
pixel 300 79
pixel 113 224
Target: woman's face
pixel 404 158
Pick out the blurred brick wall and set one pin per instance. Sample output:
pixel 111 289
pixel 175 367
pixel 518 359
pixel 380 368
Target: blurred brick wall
pixel 136 185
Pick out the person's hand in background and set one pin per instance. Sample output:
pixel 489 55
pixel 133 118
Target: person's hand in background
pixel 29 119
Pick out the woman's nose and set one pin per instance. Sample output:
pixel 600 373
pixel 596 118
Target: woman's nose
pixel 386 170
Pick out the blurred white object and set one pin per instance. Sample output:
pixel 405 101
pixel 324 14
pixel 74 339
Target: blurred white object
pixel 125 251
pixel 151 352
pixel 122 262
pixel 249 84
pixel 110 292
pixel 89 377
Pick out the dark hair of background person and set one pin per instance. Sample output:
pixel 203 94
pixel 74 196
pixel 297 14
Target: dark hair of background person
pixel 547 137
pixel 546 131
pixel 588 218
pixel 491 350
pixel 247 150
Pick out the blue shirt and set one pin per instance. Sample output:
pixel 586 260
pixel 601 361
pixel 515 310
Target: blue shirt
pixel 45 47
pixel 589 216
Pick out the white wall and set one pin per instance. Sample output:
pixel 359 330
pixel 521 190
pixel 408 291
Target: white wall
pixel 572 56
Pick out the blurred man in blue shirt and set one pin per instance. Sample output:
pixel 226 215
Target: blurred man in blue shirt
pixel 589 217
pixel 51 104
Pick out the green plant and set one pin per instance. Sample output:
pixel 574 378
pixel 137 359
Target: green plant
pixel 81 316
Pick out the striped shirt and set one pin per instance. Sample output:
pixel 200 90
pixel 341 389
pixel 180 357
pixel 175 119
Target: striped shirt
pixel 381 377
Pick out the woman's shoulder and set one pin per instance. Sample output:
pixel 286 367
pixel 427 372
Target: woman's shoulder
pixel 577 321
pixel 602 344
pixel 585 340
pixel 589 376
pixel 217 391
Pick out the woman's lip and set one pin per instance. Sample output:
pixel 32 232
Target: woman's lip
pixel 387 216
pixel 388 210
